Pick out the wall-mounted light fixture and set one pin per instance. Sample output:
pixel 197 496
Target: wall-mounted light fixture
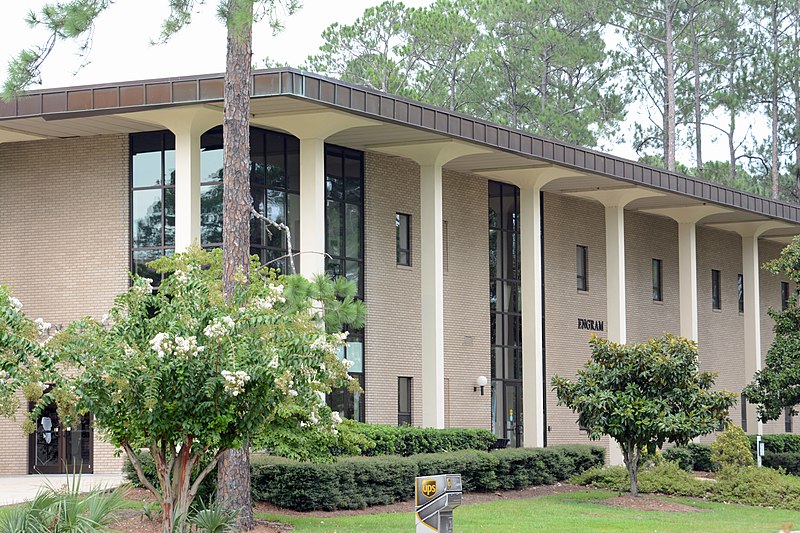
pixel 481 382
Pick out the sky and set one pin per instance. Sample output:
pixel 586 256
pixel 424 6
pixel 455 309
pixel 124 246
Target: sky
pixel 122 51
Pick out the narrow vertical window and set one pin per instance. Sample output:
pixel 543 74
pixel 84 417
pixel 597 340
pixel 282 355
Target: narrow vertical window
pixel 582 264
pixel 716 297
pixel 445 248
pixel 784 296
pixel 403 224
pixel 787 420
pixel 658 293
pixel 403 401
pixel 743 404
pixel 740 288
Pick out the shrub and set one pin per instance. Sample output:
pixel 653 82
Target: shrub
pixel 691 457
pixel 731 449
pixel 410 440
pixel 357 482
pixel 757 486
pixel 665 478
pixel 789 462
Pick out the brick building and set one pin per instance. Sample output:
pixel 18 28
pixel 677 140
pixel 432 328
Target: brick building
pixel 481 251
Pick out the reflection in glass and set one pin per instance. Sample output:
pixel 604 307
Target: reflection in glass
pixel 147 218
pixel 211 214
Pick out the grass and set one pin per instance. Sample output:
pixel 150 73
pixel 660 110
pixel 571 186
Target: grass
pixel 575 511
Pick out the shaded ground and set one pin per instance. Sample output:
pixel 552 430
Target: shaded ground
pixel 649 503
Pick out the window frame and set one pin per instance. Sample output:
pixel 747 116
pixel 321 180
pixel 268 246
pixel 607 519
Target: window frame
pixel 657 273
pixel 785 295
pixel 740 290
pixel 788 421
pixel 405 417
pixel 716 289
pixel 399 218
pixel 582 267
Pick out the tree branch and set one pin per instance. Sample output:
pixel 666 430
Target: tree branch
pixel 137 466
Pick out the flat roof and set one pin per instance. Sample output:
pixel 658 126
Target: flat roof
pixel 109 99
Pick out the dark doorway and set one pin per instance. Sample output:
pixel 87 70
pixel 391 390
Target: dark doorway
pixel 55 449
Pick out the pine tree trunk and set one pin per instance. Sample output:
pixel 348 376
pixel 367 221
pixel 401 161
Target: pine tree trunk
pixel 698 111
pixel 233 473
pixel 773 108
pixel 669 88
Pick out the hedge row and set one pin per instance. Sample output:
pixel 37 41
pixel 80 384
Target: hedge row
pixel 692 457
pixel 357 482
pixel 780 451
pixel 410 440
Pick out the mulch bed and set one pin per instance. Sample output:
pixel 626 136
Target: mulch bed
pixel 649 503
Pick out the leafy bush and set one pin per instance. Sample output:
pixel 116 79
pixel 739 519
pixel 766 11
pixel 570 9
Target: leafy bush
pixel 665 477
pixel 692 457
pixel 410 440
pixel 757 486
pixel 731 449
pixel 356 482
pixel 786 461
pixel 780 443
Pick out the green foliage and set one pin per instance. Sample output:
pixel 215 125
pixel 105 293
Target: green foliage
pixel 777 385
pixel 357 482
pixel 213 519
pixel 644 395
pixel 205 491
pixel 67 510
pixel 731 449
pixel 779 443
pixel 410 440
pixel 757 486
pixel 188 375
pixel 691 457
pixel 665 477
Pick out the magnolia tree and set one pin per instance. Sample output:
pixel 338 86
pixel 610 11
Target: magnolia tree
pixel 186 373
pixel 643 395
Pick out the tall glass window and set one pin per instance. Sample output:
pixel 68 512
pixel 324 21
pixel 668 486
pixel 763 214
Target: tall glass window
pixel 658 292
pixel 784 296
pixel 506 313
pixel 740 288
pixel 582 267
pixel 274 185
pixel 152 200
pixel 716 294
pixel 344 244
pixel 403 226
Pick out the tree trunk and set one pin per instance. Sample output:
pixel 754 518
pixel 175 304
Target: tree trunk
pixel 773 108
pixel 669 88
pixel 631 456
pixel 698 112
pixel 732 125
pixel 233 474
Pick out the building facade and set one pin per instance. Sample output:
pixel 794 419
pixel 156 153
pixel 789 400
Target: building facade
pixel 480 251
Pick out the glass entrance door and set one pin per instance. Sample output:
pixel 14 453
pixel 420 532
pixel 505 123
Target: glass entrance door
pixel 54 449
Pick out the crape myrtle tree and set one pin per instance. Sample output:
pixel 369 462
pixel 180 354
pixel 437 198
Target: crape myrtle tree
pixel 187 372
pixel 74 19
pixel 777 385
pixel 643 395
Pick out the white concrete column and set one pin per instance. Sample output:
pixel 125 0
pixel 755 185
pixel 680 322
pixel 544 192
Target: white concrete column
pixel 312 206
pixel 432 272
pixel 687 275
pixel 187 187
pixel 615 274
pixel 752 320
pixel 531 271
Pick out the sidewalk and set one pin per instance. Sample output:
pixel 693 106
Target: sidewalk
pixel 16 489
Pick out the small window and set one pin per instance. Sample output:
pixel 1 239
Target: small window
pixel 658 294
pixel 403 223
pixel 740 288
pixel 787 420
pixel 784 296
pixel 403 401
pixel 716 297
pixel 582 266
pixel 743 404
pixel 445 247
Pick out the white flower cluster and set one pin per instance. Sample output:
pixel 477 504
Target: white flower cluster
pixel 267 302
pixel 347 363
pixel 336 417
pixel 273 363
pixel 41 326
pixel 15 303
pixel 165 345
pixel 181 275
pixel 235 381
pixel 142 287
pixel 219 327
pixel 341 337
pixel 4 374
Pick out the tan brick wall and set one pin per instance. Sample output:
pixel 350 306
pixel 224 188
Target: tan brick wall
pixel 393 341
pixel 569 222
pixel 649 237
pixel 64 237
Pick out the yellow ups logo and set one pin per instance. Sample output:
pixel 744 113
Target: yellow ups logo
pixel 429 488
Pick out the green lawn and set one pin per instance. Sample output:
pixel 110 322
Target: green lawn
pixel 575 511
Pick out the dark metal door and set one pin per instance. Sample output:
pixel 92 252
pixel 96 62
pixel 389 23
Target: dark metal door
pixel 54 449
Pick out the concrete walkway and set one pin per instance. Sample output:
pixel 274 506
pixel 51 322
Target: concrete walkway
pixel 16 489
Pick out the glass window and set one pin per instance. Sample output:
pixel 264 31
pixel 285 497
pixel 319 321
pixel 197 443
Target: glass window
pixel 784 296
pixel 403 401
pixel 716 296
pixel 152 200
pixel 743 407
pixel 658 294
pixel 787 420
pixel 403 226
pixel 582 267
pixel 740 288
pixel 274 186
pixel 351 405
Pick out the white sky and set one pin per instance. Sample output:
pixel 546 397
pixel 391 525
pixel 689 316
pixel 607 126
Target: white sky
pixel 122 50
